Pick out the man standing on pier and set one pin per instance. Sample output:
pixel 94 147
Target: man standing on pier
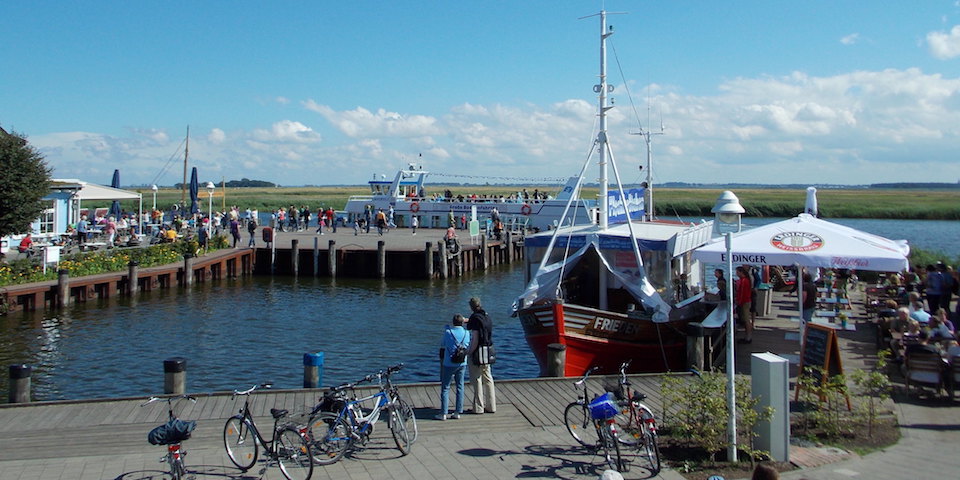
pixel 481 357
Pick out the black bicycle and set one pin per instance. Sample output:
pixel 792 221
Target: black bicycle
pixel 289 445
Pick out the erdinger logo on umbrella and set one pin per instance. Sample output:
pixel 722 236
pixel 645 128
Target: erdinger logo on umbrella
pixel 796 241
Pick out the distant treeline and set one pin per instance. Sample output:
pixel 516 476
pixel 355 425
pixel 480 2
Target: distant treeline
pixel 906 185
pixel 244 182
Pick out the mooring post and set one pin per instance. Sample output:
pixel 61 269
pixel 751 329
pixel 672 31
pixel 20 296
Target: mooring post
pixel 133 272
pixel 19 383
pixel 63 287
pixel 312 370
pixel 175 376
pixel 382 259
pixel 188 269
pixel 295 256
pixel 483 252
pixel 332 258
pixel 428 260
pixel 695 334
pixel 316 257
pixel 509 246
pixel 442 253
pixel 556 360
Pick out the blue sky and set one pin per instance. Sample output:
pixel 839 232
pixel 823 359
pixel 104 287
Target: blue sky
pixel 842 92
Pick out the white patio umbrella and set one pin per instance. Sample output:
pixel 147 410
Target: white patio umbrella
pixel 810 242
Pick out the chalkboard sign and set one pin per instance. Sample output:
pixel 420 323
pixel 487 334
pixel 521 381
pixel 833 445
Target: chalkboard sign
pixel 820 349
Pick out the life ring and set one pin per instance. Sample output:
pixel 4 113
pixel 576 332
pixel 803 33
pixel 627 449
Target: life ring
pixel 525 209
pixel 414 207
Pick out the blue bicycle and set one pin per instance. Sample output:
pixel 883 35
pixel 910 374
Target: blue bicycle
pixel 340 423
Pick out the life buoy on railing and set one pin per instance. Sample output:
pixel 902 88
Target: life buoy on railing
pixel 525 209
pixel 414 207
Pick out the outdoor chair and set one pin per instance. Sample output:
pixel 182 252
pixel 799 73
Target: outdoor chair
pixel 924 369
pixel 953 375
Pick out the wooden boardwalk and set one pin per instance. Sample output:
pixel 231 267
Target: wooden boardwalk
pixel 524 439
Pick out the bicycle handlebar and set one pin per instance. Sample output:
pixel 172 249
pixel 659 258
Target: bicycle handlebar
pixel 585 375
pixel 170 399
pixel 251 389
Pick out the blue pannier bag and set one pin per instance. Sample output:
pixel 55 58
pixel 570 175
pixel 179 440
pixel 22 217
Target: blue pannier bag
pixel 603 407
pixel 174 431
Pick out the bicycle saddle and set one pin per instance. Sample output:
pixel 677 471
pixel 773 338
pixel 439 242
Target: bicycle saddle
pixel 638 397
pixel 279 413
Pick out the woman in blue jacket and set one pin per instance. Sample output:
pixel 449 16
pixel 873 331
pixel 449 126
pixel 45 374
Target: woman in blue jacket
pixel 455 338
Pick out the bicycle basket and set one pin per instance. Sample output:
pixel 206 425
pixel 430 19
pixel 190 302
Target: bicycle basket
pixel 174 431
pixel 332 402
pixel 603 407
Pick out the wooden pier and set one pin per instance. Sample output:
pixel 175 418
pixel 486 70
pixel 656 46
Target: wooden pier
pixel 216 265
pixel 396 254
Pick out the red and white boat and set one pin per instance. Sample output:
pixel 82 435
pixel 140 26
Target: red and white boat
pixel 612 292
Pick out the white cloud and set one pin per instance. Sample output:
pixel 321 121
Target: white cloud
pixel 287 130
pixel 944 45
pixel 850 39
pixel 857 127
pixel 363 123
pixel 282 100
pixel 216 136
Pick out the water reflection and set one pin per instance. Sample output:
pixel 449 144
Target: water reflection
pixel 240 331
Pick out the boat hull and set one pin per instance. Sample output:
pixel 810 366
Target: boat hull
pixel 603 339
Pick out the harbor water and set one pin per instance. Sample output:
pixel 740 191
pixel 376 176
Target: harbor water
pixel 239 332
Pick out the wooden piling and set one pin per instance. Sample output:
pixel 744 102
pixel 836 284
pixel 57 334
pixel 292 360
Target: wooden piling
pixel 442 253
pixel 316 256
pixel 428 260
pixel 19 387
pixel 133 272
pixel 382 259
pixel 175 376
pixel 556 360
pixel 483 253
pixel 188 270
pixel 295 257
pixel 63 288
pixel 332 258
pixel 695 340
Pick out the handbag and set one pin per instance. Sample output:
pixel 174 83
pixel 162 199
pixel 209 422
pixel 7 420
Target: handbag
pixel 486 355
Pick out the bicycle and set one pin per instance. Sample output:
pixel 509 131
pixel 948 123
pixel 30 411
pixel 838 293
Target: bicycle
pixel 172 434
pixel 603 414
pixel 338 423
pixel 289 445
pixel 637 422
pixel 576 415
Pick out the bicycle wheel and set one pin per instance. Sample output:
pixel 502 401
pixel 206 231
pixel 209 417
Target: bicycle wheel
pixel 652 451
pixel 629 427
pixel 294 455
pixel 330 438
pixel 240 442
pixel 403 426
pixel 620 463
pixel 409 418
pixel 178 471
pixel 577 420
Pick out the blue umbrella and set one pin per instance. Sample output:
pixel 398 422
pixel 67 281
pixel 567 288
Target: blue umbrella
pixel 115 206
pixel 194 192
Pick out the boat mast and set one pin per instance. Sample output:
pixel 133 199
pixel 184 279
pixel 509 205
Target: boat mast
pixel 646 138
pixel 602 90
pixel 183 186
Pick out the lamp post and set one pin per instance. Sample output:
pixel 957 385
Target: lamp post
pixel 154 188
pixel 728 210
pixel 210 189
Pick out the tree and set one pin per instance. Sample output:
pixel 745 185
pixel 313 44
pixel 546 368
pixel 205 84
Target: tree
pixel 24 180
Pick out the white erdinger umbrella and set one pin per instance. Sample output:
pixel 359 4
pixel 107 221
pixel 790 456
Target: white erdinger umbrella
pixel 810 242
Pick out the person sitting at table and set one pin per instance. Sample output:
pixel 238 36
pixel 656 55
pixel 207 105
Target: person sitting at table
pixel 914 302
pixel 169 234
pixel 25 245
pixel 943 317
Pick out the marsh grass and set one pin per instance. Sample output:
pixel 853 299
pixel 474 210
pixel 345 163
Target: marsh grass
pixel 914 204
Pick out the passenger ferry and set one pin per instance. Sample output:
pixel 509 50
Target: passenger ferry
pixel 408 196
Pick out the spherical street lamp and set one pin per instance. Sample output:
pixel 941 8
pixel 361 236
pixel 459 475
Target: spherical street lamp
pixel 210 189
pixel 727 211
